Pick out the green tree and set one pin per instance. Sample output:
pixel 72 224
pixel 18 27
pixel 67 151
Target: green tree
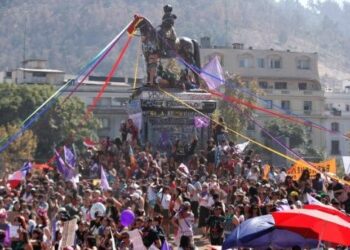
pixel 61 124
pixel 299 138
pixel 233 114
pixel 20 150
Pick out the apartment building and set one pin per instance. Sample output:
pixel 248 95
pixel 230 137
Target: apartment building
pixel 289 80
pixel 337 119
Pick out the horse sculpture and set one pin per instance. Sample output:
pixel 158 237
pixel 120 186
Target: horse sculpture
pixel 161 49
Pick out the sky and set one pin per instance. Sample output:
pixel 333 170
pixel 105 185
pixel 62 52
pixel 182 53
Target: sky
pixel 304 2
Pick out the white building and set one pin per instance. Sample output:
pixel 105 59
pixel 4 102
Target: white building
pixel 34 71
pixel 337 119
pixel 289 80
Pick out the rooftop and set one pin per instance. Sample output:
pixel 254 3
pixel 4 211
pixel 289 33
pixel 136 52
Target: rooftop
pixel 42 70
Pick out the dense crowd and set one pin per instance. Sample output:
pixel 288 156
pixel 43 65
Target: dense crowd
pixel 174 195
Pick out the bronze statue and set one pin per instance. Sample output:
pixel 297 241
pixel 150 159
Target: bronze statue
pixel 161 48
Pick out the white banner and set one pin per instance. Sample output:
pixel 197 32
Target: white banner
pixel 346 163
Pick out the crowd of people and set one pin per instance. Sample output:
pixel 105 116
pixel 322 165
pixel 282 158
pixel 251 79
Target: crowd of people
pixel 173 195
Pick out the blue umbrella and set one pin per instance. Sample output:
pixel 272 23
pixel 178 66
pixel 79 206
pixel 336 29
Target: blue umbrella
pixel 260 232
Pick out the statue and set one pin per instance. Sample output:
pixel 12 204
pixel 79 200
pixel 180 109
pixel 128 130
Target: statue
pixel 161 46
pixel 167 34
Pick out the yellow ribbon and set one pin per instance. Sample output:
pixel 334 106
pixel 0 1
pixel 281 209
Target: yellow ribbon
pixel 137 63
pixel 247 138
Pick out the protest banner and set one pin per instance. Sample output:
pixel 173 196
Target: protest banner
pixel 328 166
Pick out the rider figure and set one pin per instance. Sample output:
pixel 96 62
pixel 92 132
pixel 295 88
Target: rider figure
pixel 167 34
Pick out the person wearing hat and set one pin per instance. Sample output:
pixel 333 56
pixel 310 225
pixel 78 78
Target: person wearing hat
pixel 184 221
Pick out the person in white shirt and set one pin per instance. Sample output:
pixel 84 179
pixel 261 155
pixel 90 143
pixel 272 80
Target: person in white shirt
pixel 205 203
pixel 184 221
pixel 164 199
pixel 282 176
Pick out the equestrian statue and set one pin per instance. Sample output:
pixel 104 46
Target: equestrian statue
pixel 169 58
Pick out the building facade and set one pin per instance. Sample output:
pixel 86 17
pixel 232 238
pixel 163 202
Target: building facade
pixel 289 82
pixel 337 119
pixel 111 110
pixel 34 71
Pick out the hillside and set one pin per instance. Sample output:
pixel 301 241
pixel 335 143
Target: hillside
pixel 68 33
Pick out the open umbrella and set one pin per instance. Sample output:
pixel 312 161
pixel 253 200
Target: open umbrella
pixel 330 228
pixel 328 209
pixel 260 232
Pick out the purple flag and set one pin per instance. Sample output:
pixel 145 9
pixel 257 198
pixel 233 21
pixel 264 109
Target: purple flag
pixel 62 168
pixel 212 73
pixel 69 157
pixel 201 122
pixel 166 246
pixel 104 182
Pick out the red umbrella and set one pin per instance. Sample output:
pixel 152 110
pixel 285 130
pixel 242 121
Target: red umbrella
pixel 328 209
pixel 330 228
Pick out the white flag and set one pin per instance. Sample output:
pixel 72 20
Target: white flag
pixel 346 162
pixel 312 200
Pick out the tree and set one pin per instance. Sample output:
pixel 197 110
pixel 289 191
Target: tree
pixel 233 114
pixel 61 124
pixel 299 138
pixel 20 150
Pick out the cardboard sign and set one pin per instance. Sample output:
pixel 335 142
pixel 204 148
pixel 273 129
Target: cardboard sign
pixel 68 234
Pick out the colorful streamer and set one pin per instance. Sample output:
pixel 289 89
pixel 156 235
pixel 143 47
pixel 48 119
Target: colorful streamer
pixel 137 64
pixel 108 79
pixel 99 59
pixel 28 122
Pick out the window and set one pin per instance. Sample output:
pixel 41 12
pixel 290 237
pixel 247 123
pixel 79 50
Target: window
pixel 246 61
pixel 275 62
pixel 335 127
pixel 263 85
pixel 303 63
pixel 39 74
pixel 335 147
pixel 285 105
pixel 104 123
pixel 260 62
pixel 280 85
pixel 307 106
pixel 302 85
pixel 268 104
pixel 347 107
pixel 8 74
